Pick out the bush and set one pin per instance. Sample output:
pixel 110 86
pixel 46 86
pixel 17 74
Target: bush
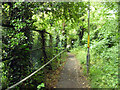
pixel 103 66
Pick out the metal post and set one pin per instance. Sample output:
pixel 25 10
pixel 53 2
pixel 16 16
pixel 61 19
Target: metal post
pixel 88 54
pixel 0 41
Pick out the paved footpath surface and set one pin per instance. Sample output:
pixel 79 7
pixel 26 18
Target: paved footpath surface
pixel 71 75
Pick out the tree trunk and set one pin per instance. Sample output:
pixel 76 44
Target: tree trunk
pixel 44 53
pixel 80 34
pixel 65 36
pixel 43 46
pixel 57 40
pixel 51 46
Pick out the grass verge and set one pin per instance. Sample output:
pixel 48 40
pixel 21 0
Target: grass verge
pixel 103 73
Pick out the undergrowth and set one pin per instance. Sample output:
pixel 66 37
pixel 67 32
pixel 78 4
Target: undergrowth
pixel 103 71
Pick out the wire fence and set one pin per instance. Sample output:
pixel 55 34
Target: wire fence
pixel 36 70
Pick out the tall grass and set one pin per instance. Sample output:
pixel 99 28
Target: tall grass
pixel 103 72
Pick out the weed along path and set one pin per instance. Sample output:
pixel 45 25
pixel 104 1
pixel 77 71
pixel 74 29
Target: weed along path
pixel 71 75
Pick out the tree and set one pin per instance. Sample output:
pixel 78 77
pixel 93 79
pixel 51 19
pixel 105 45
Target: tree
pixel 17 40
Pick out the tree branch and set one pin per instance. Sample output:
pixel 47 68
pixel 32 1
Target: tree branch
pixel 42 31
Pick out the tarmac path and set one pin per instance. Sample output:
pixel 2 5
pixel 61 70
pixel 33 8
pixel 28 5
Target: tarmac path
pixel 71 75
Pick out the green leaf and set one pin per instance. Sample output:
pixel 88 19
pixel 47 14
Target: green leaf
pixel 41 85
pixel 27 49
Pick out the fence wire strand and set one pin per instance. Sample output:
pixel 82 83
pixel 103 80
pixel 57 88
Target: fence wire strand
pixel 35 71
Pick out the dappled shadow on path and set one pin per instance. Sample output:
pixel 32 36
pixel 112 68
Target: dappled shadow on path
pixel 71 76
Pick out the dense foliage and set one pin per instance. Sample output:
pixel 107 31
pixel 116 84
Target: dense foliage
pixel 104 46
pixel 33 33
